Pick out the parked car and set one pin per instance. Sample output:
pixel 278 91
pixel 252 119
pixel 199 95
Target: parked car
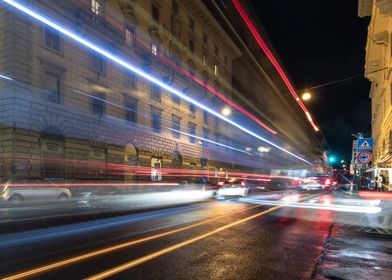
pixel 18 190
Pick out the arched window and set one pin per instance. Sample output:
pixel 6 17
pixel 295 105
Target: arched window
pixel 131 155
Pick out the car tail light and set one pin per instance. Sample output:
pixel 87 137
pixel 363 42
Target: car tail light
pixel 242 184
pixel 327 181
pixel 220 183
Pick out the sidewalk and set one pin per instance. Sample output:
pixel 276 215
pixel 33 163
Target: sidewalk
pixel 352 254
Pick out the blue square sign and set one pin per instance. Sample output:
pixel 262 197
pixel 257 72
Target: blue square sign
pixel 365 144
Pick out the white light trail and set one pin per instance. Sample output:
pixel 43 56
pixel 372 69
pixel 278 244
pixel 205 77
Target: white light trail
pixel 5 77
pixel 120 61
pixel 318 206
pixel 210 141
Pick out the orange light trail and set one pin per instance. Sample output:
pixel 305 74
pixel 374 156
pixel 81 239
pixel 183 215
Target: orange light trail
pixel 56 265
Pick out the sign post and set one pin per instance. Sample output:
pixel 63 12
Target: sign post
pixel 363 156
pixel 365 144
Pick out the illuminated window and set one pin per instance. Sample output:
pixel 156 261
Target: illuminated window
pixel 204 59
pixel 129 37
pixel 216 69
pixel 192 132
pixel 97 7
pixel 176 126
pixel 155 13
pixel 154 49
pixel 52 39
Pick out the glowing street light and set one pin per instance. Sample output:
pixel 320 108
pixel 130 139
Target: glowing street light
pixel 306 96
pixel 263 149
pixel 226 111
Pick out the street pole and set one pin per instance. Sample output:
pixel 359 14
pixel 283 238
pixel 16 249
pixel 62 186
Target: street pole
pixel 357 179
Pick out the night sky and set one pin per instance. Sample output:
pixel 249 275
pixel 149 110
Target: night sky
pixel 319 42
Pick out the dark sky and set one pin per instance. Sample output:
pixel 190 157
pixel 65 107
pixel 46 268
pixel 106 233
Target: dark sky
pixel 318 42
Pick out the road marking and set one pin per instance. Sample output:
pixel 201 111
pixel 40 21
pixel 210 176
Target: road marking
pixel 89 255
pixel 120 268
pixel 136 262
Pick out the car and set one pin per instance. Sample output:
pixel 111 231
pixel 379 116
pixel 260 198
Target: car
pixel 17 190
pixel 317 182
pixel 233 187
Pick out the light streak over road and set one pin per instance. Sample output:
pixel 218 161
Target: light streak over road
pixel 136 262
pixel 209 141
pixel 318 206
pixel 59 264
pixel 121 62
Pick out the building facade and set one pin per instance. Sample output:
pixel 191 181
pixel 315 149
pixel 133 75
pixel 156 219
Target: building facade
pixel 378 69
pixel 68 112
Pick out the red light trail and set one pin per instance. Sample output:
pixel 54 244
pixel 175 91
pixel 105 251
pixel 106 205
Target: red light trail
pixel 240 9
pixel 209 88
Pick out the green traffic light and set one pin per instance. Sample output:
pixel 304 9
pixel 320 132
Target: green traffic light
pixel 331 159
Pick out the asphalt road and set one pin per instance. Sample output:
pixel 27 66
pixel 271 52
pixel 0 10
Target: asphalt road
pixel 209 240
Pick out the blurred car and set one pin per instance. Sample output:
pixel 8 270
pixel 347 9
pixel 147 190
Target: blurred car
pixel 233 187
pixel 18 190
pixel 317 182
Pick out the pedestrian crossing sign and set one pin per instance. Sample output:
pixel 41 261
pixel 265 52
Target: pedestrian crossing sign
pixel 365 144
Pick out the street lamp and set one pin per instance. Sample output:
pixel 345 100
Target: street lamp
pixel 226 111
pixel 306 96
pixel 263 149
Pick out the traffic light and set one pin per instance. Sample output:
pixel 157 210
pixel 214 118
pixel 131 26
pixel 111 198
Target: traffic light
pixel 331 159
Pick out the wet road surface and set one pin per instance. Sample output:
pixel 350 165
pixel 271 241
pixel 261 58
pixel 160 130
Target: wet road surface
pixel 210 240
